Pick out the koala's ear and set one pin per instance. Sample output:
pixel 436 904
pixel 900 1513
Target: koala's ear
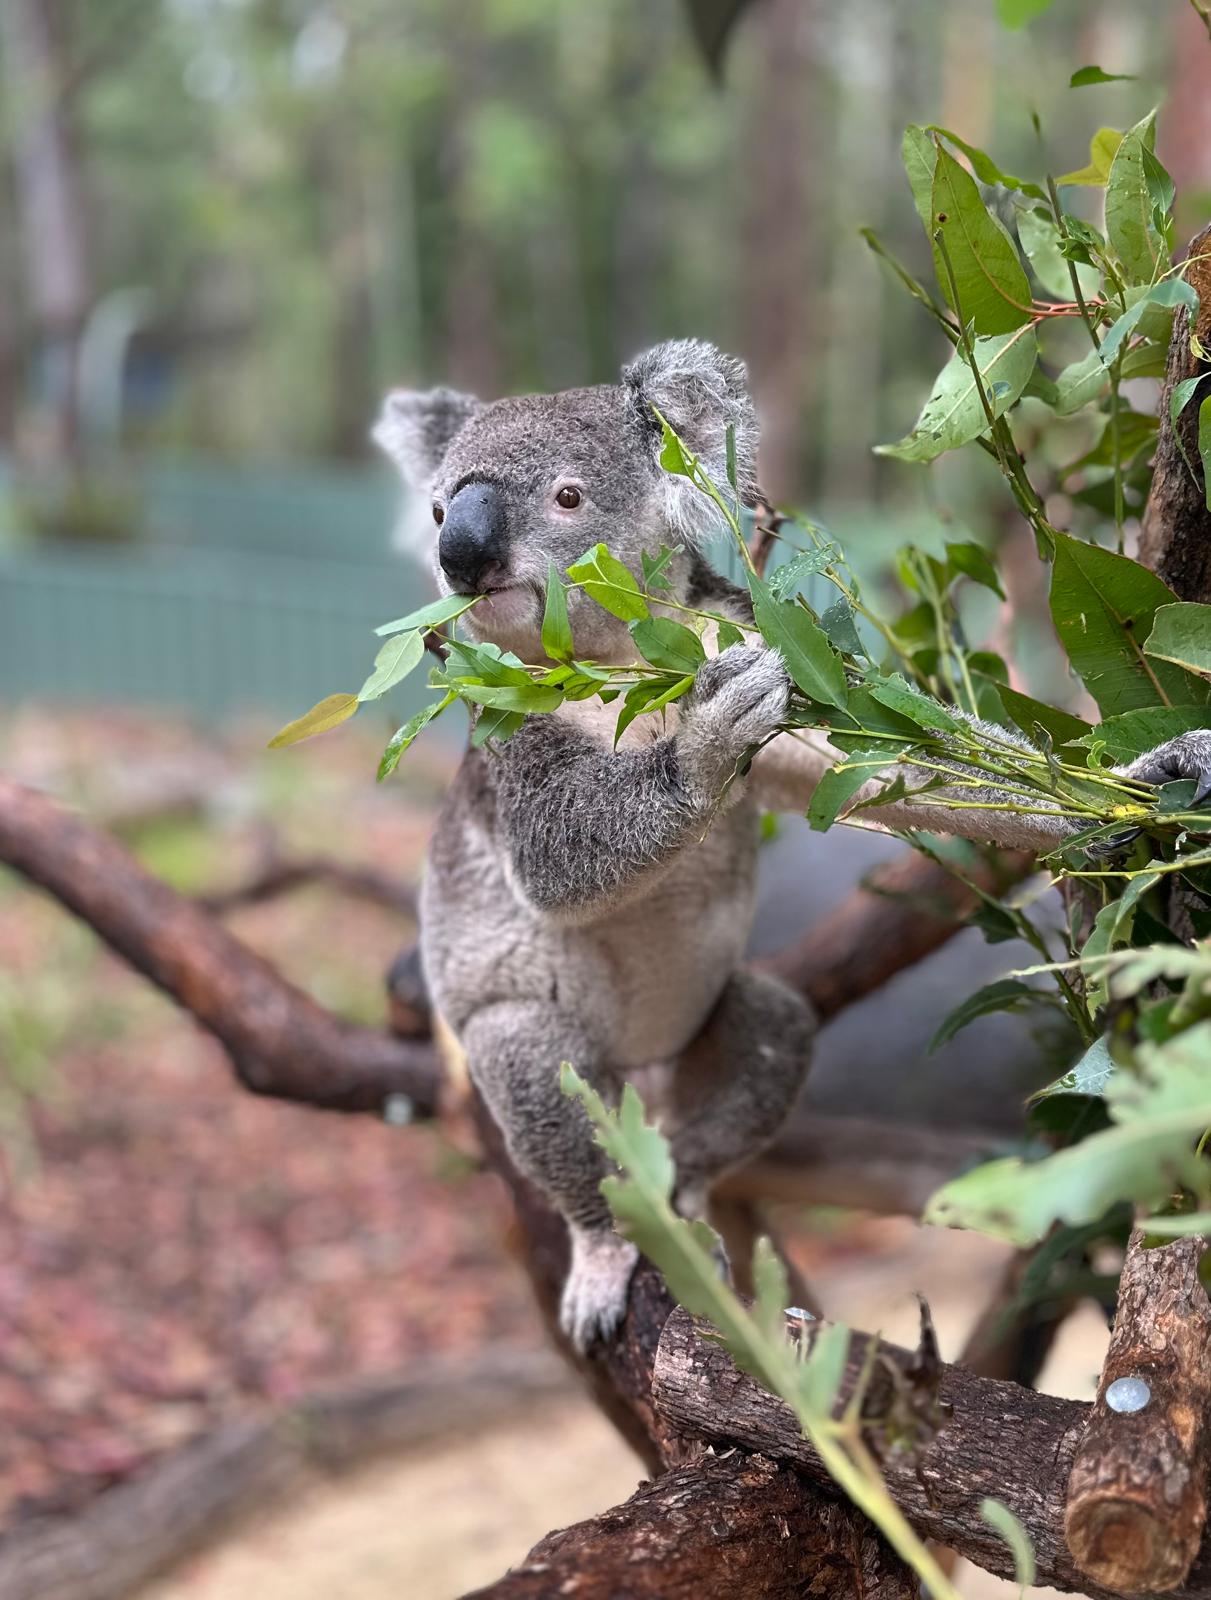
pixel 415 428
pixel 702 392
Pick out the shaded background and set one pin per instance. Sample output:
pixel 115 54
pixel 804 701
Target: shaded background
pixel 226 226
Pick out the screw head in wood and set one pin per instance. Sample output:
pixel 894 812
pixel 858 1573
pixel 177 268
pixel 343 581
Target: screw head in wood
pixel 1128 1394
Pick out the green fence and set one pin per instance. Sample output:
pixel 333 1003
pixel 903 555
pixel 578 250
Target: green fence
pixel 256 590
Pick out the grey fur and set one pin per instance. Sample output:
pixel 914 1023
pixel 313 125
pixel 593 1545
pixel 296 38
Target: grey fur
pixel 590 904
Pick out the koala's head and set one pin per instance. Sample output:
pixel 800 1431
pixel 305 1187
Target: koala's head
pixel 514 485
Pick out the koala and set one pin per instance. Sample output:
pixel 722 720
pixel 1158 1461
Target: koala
pixel 590 904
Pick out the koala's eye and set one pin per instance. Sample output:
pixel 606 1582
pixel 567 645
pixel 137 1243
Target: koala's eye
pixel 568 497
pixel 439 515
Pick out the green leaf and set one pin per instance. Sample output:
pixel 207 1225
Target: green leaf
pixel 824 1370
pixel 484 663
pixel 672 456
pixel 954 413
pixel 1061 726
pixel 771 1291
pixel 786 580
pixel 1204 446
pixel 527 697
pixel 992 289
pixel 604 579
pixel 1182 633
pixel 1089 1076
pixel 641 698
pixel 433 615
pixel 812 662
pixel 727 634
pixel 1002 1519
pixel 1183 1226
pixel 668 644
pixel 1084 76
pixel 900 696
pixel 1133 733
pixel 655 568
pixel 843 781
pixel 494 723
pixel 974 562
pixel 1102 149
pixel 1131 226
pixel 1103 606
pixel 1017 13
pixel 1006 994
pixel 329 713
pixel 1080 383
pixel 1166 295
pixel 1041 241
pixel 919 152
pixel 556 631
pixel 403 737
pixel 984 167
pixel 839 624
pixel 397 658
pixel 1158 1113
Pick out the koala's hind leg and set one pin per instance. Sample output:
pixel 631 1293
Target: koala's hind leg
pixel 513 1051
pixel 736 1083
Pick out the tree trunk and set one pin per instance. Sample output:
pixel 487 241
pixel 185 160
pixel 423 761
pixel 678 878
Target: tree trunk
pixel 50 201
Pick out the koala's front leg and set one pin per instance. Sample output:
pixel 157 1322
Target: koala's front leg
pixel 588 827
pixel 1187 756
pixel 514 1050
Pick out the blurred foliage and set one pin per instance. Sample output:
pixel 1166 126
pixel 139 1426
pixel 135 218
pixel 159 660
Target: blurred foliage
pixel 327 196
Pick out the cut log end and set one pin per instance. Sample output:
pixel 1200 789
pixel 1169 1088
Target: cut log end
pixel 1123 1544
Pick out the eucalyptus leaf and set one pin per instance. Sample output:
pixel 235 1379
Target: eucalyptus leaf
pixel 810 659
pixel 1165 296
pixel 604 579
pixel 556 630
pixel 1204 447
pixel 1085 76
pixel 840 783
pixel 528 697
pixel 1080 383
pixel 668 644
pixel 400 655
pixel 329 713
pixel 1181 633
pixel 989 280
pixel 1102 149
pixel 1040 240
pixel 1131 225
pixel 1006 994
pixel 403 737
pixel 1002 1519
pixel 1103 606
pixel 954 412
pixel 447 609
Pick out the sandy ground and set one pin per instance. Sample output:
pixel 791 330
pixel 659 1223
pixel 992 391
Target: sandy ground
pixel 433 1525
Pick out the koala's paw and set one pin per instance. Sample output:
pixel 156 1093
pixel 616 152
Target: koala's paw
pixel 594 1298
pixel 1187 756
pixel 738 699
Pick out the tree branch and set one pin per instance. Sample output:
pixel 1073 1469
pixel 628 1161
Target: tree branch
pixel 736 1525
pixel 1003 1441
pixel 1137 1494
pixel 1175 536
pixel 281 1042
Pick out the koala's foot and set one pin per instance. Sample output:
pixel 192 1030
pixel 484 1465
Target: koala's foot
pixel 738 700
pixel 594 1296
pixel 1187 756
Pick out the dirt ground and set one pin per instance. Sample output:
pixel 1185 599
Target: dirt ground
pixel 434 1524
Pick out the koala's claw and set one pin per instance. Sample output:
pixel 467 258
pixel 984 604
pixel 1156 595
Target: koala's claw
pixel 1187 756
pixel 738 700
pixel 594 1299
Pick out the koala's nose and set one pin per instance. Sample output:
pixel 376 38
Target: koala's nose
pixel 474 537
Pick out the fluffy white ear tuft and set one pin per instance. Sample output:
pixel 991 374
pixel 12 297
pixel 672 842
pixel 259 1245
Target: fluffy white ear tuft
pixel 415 428
pixel 702 392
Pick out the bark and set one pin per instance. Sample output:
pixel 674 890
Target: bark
pixel 1137 1494
pixel 283 875
pixel 1175 538
pixel 280 1041
pixel 740 1526
pixel 130 1533
pixel 1002 1441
